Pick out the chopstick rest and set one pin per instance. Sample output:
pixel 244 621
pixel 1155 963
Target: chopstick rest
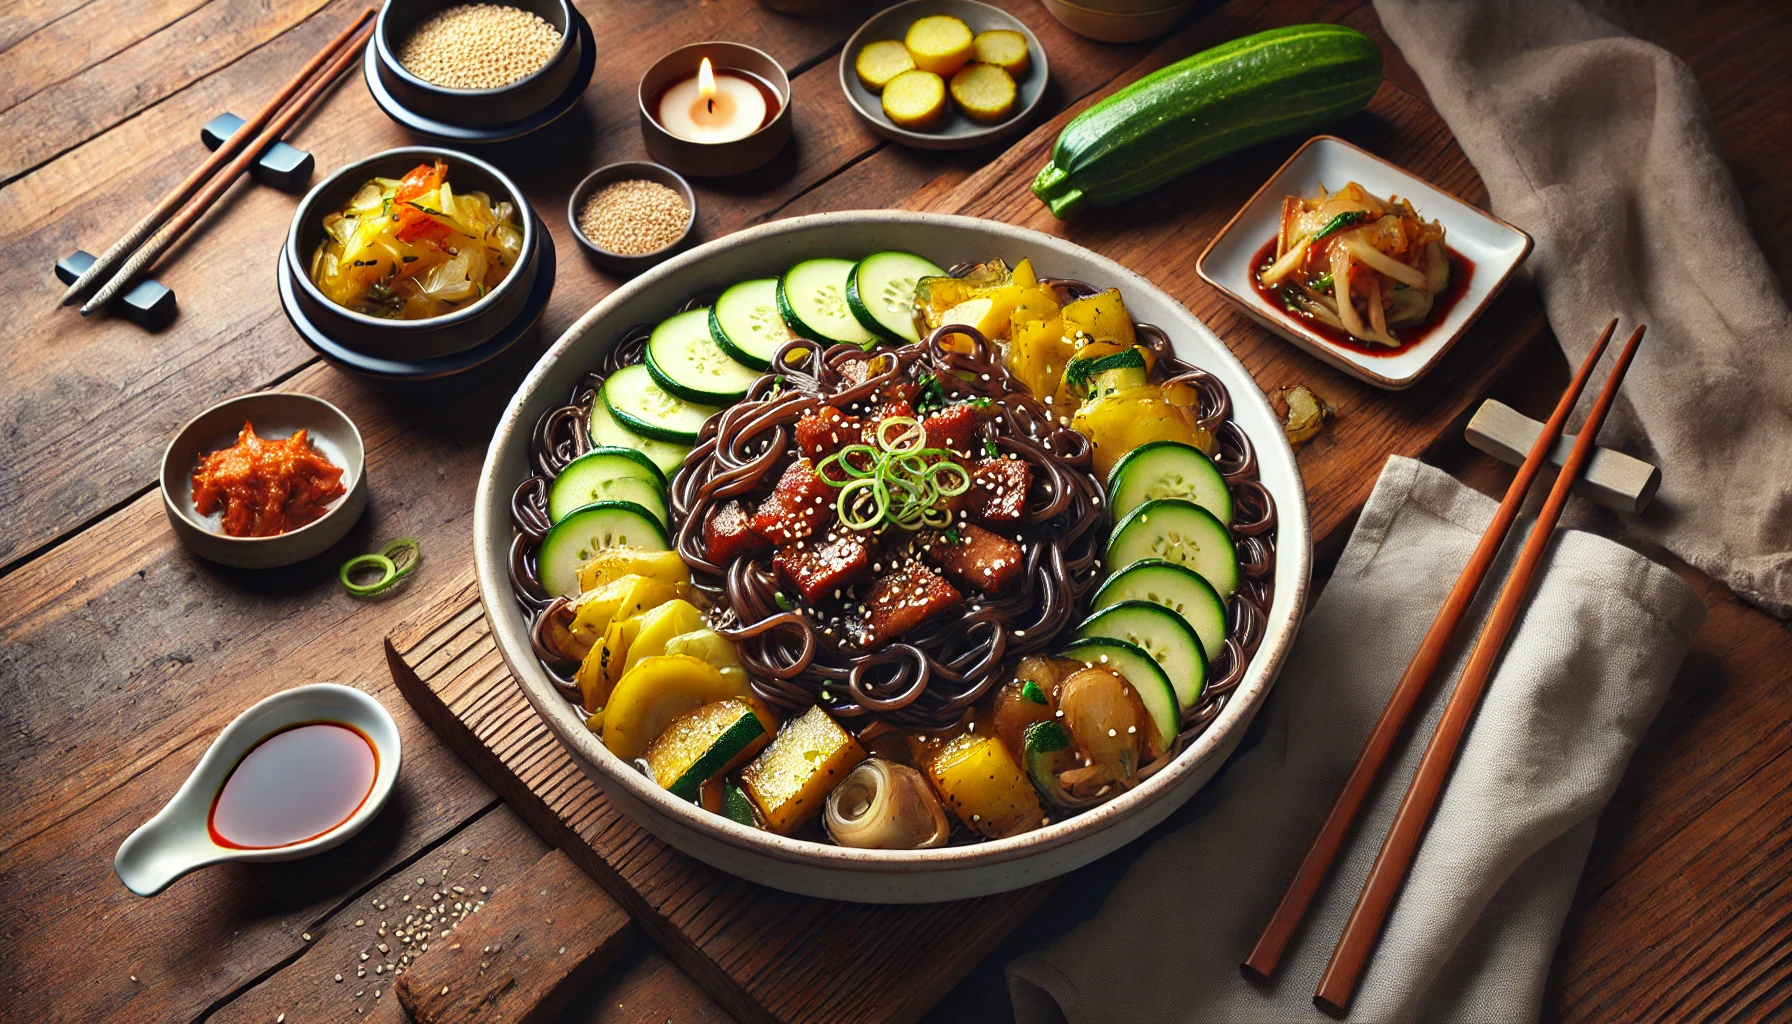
pixel 1612 479
pixel 284 166
pixel 149 303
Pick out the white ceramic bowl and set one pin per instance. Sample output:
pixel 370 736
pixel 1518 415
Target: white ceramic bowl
pixel 178 839
pixel 1495 247
pixel 879 876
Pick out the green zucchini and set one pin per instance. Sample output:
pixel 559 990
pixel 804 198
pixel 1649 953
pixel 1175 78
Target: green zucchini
pixel 1265 86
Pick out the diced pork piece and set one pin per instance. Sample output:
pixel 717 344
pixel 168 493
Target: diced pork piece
pixel 904 600
pixel 728 534
pixel 816 570
pixel 798 507
pixel 953 427
pixel 976 558
pixel 999 490
pixel 826 431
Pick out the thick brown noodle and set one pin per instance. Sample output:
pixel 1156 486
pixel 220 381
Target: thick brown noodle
pixel 931 676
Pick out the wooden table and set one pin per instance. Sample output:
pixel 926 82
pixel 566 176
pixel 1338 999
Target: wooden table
pixel 123 654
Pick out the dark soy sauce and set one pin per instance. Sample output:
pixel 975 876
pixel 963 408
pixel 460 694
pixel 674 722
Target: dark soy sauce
pixel 293 786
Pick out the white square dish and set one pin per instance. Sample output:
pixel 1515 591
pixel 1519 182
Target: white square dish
pixel 1494 247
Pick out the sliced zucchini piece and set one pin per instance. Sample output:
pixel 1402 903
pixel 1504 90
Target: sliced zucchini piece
pixel 812 300
pixel 738 808
pixel 1048 752
pixel 1147 679
pixel 702 744
pixel 880 291
pixel 1080 375
pixel 1177 531
pixel 652 695
pixel 634 394
pixel 746 323
pixel 1168 469
pixel 609 431
pixel 685 359
pixel 1176 587
pixel 790 781
pixel 608 474
pixel 586 531
pixel 1161 633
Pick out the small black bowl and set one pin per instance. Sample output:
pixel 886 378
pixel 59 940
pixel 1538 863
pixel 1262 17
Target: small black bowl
pixel 443 335
pixel 624 171
pixel 475 107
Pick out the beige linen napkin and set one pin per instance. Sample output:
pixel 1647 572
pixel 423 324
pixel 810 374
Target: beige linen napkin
pixel 1600 146
pixel 1471 936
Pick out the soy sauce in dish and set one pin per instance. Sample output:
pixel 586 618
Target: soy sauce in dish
pixel 293 786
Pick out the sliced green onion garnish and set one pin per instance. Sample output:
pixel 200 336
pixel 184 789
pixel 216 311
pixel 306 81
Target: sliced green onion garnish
pixel 406 555
pixel 388 574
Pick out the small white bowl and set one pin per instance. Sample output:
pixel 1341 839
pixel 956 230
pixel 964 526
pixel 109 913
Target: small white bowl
pixel 178 840
pixel 958 130
pixel 1495 247
pixel 276 415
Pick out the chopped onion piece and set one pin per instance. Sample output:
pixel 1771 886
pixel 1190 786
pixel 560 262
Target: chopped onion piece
pixel 1381 262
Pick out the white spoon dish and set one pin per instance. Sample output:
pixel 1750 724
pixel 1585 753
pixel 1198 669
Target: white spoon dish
pixel 183 836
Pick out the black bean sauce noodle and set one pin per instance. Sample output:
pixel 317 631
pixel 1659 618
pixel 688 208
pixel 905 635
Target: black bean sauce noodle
pixel 797 656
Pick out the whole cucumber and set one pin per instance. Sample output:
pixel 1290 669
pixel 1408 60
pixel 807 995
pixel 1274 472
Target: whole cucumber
pixel 1250 90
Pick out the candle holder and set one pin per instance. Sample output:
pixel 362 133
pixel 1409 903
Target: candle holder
pixel 715 159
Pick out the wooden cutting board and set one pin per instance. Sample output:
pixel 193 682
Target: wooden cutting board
pixel 764 955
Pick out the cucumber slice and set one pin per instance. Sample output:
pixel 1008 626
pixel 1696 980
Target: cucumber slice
pixel 584 532
pixel 1176 587
pixel 880 291
pixel 608 474
pixel 1168 469
pixel 635 396
pixel 1147 679
pixel 746 323
pixel 1177 531
pixel 701 744
pixel 683 358
pixel 1161 633
pixel 812 300
pixel 609 431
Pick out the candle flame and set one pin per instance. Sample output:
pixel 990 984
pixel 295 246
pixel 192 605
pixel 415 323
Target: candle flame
pixel 706 81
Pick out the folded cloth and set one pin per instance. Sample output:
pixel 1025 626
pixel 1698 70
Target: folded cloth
pixel 1600 146
pixel 1472 934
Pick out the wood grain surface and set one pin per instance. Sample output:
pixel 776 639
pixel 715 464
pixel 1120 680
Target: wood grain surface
pixel 121 655
pixel 763 954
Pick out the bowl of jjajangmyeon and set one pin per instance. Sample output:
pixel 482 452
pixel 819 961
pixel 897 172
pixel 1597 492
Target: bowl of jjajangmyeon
pixel 892 557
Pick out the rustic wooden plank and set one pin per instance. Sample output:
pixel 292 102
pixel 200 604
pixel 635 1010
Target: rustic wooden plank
pixel 762 954
pixel 84 37
pixel 646 988
pixel 495 851
pixel 231 336
pixel 69 113
pixel 534 946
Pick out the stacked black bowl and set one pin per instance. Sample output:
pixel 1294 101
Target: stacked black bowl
pixel 415 351
pixel 479 115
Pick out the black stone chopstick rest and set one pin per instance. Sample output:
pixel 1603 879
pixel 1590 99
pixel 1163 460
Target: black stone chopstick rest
pixel 285 167
pixel 148 304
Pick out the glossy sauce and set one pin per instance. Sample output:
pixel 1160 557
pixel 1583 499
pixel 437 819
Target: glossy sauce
pixel 293 786
pixel 1461 270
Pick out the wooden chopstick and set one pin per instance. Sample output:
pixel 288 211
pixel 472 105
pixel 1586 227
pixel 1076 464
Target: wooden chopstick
pixel 1388 875
pixel 228 148
pixel 221 182
pixel 1266 955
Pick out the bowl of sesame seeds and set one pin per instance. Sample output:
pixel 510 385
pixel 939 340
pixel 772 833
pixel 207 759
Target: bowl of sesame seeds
pixel 481 66
pixel 631 215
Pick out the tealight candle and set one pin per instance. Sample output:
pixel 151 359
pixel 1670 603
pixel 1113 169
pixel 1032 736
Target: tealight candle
pixel 713 108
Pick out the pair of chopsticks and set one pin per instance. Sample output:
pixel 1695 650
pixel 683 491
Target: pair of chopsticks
pixel 345 49
pixel 1363 929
